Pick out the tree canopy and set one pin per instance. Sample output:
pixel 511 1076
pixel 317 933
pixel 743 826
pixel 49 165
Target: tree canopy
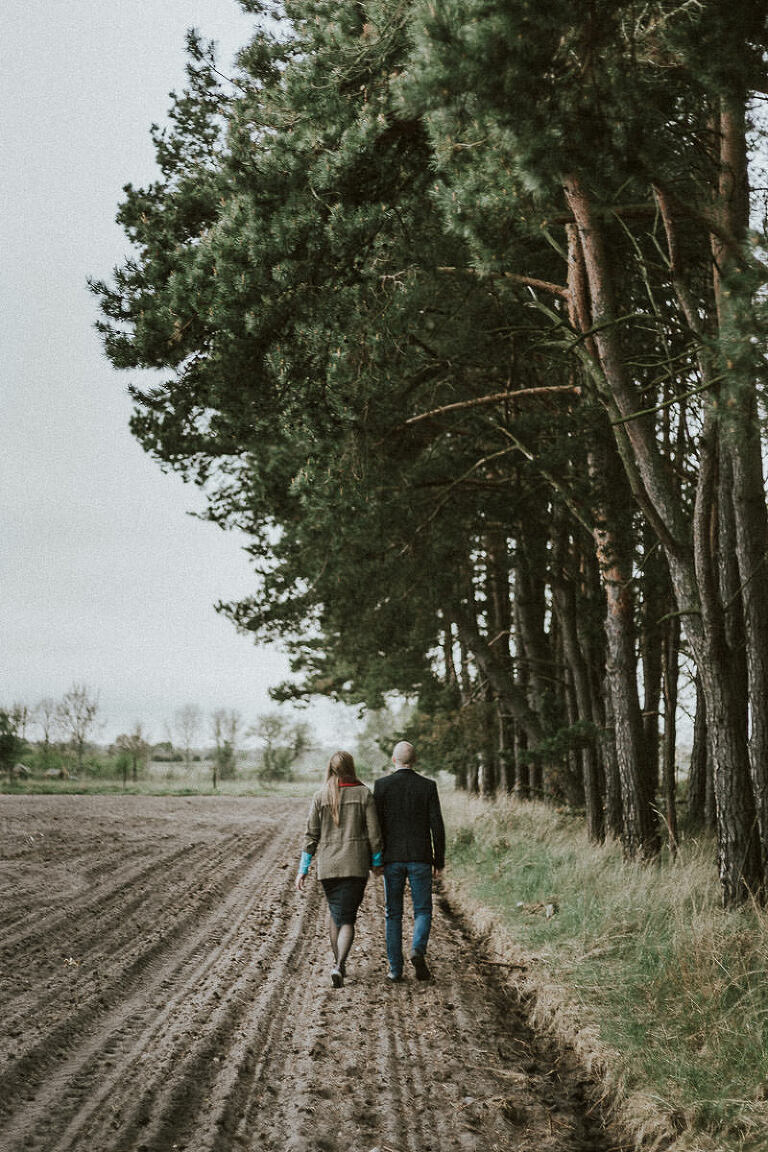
pixel 462 321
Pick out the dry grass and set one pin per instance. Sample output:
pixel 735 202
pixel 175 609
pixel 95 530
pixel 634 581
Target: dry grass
pixel 662 992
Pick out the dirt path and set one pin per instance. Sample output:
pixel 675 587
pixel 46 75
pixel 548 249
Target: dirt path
pixel 163 987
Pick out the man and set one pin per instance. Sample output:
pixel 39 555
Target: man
pixel 414 849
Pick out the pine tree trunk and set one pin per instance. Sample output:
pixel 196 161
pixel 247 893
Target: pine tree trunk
pixel 522 783
pixel 752 551
pixel 628 813
pixel 488 766
pixel 654 605
pixel 639 834
pixel 671 649
pixel 741 440
pixel 530 605
pixel 499 609
pixel 505 746
pixel 613 805
pixel 451 678
pixel 531 608
pixel 729 591
pixel 739 854
pixel 564 601
pixel 700 767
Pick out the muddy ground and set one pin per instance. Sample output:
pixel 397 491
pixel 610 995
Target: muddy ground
pixel 163 986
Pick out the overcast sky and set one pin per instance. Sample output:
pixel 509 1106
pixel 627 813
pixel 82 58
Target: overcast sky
pixel 104 577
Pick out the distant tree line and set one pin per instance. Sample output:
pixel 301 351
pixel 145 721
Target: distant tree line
pixel 69 722
pixel 66 733
pixel 462 312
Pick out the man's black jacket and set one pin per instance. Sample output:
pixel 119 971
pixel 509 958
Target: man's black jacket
pixel 411 821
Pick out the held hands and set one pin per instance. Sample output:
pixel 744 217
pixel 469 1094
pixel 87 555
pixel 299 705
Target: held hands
pixel 377 869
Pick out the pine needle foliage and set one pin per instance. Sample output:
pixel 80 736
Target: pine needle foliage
pixel 461 322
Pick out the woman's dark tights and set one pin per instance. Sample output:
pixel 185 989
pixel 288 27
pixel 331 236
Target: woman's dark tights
pixel 341 941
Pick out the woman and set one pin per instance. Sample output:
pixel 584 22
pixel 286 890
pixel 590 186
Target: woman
pixel 343 829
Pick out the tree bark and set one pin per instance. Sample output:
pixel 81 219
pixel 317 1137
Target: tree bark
pixel 654 604
pixel 564 600
pixel 522 784
pixel 613 805
pixel 671 649
pixel 739 853
pixel 741 439
pixel 499 609
pixel 505 745
pixel 530 603
pixel 639 835
pixel 700 768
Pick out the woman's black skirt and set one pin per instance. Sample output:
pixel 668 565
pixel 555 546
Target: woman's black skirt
pixel 344 895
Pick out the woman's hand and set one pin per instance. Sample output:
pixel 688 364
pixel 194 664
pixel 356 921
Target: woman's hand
pixel 300 882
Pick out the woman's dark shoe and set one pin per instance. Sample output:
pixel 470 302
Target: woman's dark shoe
pixel 337 977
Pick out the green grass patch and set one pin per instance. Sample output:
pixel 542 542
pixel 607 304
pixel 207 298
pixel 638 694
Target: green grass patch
pixel 674 984
pixel 158 786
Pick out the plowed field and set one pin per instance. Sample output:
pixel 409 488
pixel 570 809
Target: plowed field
pixel 163 986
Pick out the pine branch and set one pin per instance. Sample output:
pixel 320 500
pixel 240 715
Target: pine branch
pixel 528 281
pixel 669 403
pixel 496 398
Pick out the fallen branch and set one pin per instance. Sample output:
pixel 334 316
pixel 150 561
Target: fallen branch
pixel 505 964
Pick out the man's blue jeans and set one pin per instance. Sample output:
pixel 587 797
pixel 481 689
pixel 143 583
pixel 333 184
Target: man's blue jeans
pixel 419 877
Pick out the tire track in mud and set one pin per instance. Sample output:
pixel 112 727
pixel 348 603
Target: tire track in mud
pixel 239 1009
pixel 178 1056
pixel 93 878
pixel 121 912
pixel 98 900
pixel 59 1070
pixel 132 960
pixel 214 1027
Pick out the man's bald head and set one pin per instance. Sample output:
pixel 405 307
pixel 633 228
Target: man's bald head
pixel 403 754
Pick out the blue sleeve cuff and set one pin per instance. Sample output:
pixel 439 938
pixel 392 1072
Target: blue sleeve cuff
pixel 378 859
pixel 304 863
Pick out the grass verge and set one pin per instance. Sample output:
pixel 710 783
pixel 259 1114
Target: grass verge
pixel 662 992
pixel 96 786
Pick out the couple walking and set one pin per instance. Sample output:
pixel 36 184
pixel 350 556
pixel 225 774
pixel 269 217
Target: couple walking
pixel 398 832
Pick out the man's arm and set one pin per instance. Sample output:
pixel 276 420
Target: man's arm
pixel 437 828
pixel 378 799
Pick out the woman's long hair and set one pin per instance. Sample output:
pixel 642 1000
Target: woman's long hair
pixel 341 766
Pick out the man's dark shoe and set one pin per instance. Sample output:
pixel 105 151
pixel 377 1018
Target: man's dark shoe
pixel 420 966
pixel 394 978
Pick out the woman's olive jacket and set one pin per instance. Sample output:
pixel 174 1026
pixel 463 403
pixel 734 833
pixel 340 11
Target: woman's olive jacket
pixel 346 850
